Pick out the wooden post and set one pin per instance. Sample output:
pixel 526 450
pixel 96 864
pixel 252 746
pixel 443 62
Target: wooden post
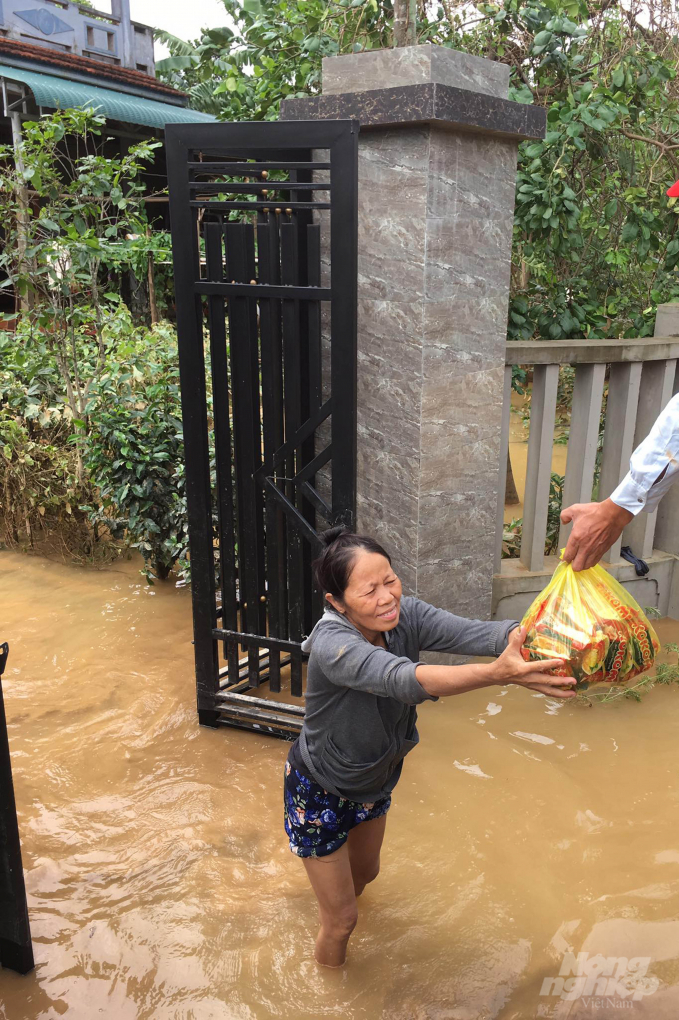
pixel 153 304
pixel 582 440
pixel 16 951
pixel 621 415
pixel 657 383
pixel 539 468
pixel 504 460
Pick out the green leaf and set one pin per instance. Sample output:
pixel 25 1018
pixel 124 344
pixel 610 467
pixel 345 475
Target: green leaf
pixel 611 208
pixel 618 76
pixel 541 39
pixel 176 63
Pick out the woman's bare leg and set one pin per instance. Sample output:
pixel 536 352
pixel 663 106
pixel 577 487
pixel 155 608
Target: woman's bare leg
pixel 337 880
pixel 332 881
pixel 365 843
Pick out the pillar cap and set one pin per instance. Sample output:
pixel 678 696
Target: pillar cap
pixel 414 65
pixel 428 103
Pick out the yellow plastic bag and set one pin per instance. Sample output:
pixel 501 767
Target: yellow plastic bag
pixel 588 619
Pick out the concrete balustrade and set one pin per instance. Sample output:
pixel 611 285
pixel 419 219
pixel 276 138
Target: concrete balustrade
pixel 642 377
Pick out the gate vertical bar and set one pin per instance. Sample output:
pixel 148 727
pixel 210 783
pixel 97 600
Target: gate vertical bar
pixel 259 610
pixel 315 361
pixel 293 417
pixel 303 219
pixel 186 262
pixel 221 411
pixel 272 435
pixel 272 432
pixel 246 430
pixel 344 286
pixel 16 950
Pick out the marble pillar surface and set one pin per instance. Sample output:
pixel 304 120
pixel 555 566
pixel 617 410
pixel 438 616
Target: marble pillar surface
pixel 436 205
pixel 435 230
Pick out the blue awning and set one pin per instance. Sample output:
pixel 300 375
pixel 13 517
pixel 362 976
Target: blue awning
pixel 62 94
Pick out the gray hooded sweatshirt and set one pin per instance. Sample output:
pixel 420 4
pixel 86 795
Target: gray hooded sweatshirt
pixel 360 713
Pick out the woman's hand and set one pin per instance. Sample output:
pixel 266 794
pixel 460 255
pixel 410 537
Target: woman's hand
pixel 512 668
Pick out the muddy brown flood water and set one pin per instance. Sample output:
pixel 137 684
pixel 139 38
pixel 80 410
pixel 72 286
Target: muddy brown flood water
pixel 159 878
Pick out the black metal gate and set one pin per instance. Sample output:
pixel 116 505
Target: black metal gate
pixel 264 236
pixel 16 950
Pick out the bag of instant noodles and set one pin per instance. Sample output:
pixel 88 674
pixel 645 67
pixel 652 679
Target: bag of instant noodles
pixel 590 620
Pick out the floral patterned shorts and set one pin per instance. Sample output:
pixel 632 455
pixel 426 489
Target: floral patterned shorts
pixel 318 822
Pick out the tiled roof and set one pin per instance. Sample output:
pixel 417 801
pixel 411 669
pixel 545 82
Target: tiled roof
pixel 12 49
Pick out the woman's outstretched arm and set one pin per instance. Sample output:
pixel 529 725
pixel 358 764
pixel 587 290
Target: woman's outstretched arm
pixel 509 668
pixel 441 631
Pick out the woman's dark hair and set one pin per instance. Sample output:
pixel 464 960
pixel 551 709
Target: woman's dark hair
pixel 332 568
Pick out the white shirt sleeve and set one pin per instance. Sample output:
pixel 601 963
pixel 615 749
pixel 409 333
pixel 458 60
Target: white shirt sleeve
pixel 642 488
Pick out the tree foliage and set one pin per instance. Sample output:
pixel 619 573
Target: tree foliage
pixel 90 425
pixel 274 51
pixel 67 211
pixel 595 240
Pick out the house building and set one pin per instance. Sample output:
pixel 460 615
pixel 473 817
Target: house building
pixel 56 54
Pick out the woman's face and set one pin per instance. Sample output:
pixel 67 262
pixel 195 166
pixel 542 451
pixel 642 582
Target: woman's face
pixel 372 600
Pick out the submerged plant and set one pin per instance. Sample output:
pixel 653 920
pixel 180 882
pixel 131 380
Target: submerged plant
pixel 513 530
pixel 667 674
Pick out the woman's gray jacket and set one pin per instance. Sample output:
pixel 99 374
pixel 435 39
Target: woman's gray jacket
pixel 360 710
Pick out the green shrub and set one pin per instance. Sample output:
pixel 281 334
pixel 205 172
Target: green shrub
pixel 39 490
pixel 133 449
pixel 118 470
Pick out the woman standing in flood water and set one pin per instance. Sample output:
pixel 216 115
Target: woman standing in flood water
pixel 364 679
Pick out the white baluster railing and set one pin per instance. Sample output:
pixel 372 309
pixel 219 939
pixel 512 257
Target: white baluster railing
pixel 539 467
pixel 642 377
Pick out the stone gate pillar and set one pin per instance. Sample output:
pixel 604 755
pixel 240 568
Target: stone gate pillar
pixel 437 173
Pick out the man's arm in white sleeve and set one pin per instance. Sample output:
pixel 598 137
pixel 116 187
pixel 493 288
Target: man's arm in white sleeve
pixel 653 468
pixel 653 465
